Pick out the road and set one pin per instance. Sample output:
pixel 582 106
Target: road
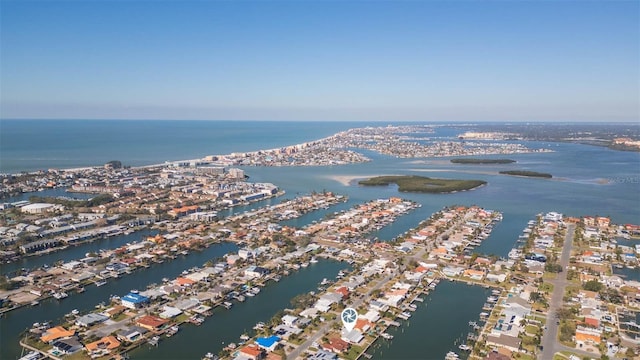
pixel 325 328
pixel 550 342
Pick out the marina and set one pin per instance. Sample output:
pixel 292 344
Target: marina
pixel 501 236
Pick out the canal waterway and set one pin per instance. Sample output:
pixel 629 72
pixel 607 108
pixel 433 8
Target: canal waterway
pixel 438 326
pixel 226 326
pixel 587 180
pixel 628 274
pixel 57 192
pixel 76 252
pixel 16 321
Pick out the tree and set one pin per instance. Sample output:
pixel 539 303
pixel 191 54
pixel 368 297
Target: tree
pixel 564 313
pixel 303 301
pixel 536 297
pixel 593 285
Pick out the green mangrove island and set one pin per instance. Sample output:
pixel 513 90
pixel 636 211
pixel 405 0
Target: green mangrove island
pixel 412 183
pixel 481 161
pixel 527 173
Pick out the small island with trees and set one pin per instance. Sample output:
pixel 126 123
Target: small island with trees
pixel 526 173
pixel 474 161
pixel 413 183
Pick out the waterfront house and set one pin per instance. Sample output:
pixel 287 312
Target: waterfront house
pixel 255 271
pixel 452 271
pixel 325 301
pixel 90 319
pixel 336 345
pixel 102 346
pixel 353 337
pixel 187 304
pixel 131 334
pixel 290 320
pixel 183 281
pixel 67 346
pixel 134 300
pixel 516 307
pixel 496 277
pixel 309 312
pixel 169 312
pixel 473 274
pixel 508 342
pixel 251 352
pixel 151 322
pixel 363 324
pixel 378 306
pixel 56 333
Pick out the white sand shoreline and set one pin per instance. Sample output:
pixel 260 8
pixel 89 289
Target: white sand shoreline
pixel 347 180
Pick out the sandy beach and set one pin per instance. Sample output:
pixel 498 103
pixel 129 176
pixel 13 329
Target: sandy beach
pixel 347 180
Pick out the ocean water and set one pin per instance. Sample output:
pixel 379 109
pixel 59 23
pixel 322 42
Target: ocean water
pixel 29 145
pixel 587 180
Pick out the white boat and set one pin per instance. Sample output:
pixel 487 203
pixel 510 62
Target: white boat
pixel 172 331
pixel 227 304
pixel 60 295
pixel 464 347
pixel 154 341
pixel 451 356
pixel 313 260
pixel 33 355
pixel 100 283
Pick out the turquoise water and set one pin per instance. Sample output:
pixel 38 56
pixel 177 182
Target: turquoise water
pixel 28 145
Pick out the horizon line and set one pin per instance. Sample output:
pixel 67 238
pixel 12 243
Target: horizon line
pixel 617 121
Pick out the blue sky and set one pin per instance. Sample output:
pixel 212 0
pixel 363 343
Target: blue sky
pixel 322 60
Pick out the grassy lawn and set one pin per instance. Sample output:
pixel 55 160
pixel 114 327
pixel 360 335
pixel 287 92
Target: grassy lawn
pixel 297 341
pixel 522 356
pixel 182 317
pixel 546 287
pixel 120 317
pixel 354 352
pixel 549 276
pixel 78 356
pixel 531 329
